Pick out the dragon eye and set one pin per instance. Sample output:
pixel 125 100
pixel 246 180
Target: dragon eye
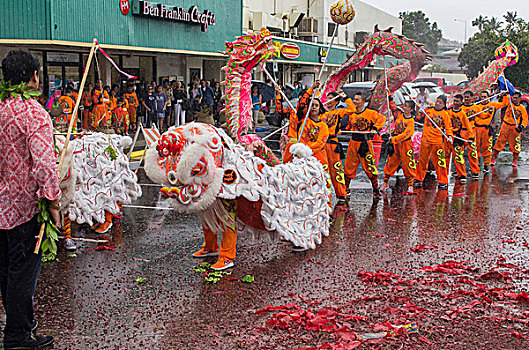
pixel 171 176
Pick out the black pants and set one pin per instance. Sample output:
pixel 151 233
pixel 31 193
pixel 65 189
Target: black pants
pixel 19 271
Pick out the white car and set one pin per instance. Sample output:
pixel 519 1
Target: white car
pixel 411 90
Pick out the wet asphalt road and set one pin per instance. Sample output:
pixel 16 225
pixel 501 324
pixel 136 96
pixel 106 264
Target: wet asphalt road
pixel 93 301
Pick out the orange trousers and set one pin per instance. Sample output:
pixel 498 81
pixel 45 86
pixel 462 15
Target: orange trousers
pixel 509 134
pixel 132 115
pixel 336 169
pixel 403 155
pixel 287 156
pixel 228 244
pixel 353 160
pixel 472 151
pixel 436 153
pixel 484 144
pixel 86 117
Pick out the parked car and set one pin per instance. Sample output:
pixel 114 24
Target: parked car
pixel 366 88
pixel 441 82
pixel 411 90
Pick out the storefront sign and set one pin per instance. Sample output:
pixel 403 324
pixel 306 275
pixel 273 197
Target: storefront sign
pixel 63 57
pixel 124 6
pixel 174 13
pixel 290 50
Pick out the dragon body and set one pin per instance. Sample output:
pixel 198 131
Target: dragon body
pixel 245 53
pixel 382 43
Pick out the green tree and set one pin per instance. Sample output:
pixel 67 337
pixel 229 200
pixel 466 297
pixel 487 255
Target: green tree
pixel 479 50
pixel 416 26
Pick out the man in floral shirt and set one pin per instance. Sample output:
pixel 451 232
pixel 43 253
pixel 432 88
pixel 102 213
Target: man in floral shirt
pixel 28 173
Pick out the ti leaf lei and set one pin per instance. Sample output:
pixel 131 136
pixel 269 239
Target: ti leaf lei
pixel 49 245
pixel 7 90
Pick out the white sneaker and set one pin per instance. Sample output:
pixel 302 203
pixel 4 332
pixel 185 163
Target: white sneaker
pixel 69 244
pixel 298 249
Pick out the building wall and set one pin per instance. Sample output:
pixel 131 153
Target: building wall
pixel 366 17
pixel 81 21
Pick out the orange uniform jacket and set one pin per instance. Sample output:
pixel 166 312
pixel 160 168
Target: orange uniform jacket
pixel 521 113
pixel 430 133
pixel 293 121
pixel 366 120
pixel 87 99
pixel 460 122
pixel 470 111
pixel 132 99
pixel 485 118
pixel 334 117
pixel 315 135
pixel 404 127
pixel 67 104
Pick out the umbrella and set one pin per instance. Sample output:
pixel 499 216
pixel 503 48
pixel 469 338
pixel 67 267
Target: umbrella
pixel 268 92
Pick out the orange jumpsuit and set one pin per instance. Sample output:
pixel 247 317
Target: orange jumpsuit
pixel 432 144
pixel 466 133
pixel 132 99
pixel 87 104
pixel 508 131
pixel 121 120
pixel 100 100
pixel 333 147
pixel 293 126
pixel 67 104
pixel 403 145
pixel 460 124
pixel 483 129
pixel 367 120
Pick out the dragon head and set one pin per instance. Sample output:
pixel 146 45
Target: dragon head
pixel 509 51
pixel 188 160
pixel 251 49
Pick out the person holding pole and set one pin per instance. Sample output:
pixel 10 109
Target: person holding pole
pixel 436 119
pixel 27 175
pixel 362 124
pixel 469 108
pixel 483 122
pixel 460 123
pixel 333 118
pixel 514 122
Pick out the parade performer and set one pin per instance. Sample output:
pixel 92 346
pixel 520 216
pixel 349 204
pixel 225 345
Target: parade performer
pixel 514 121
pixel 232 184
pixel 133 105
pixel 436 119
pixel 98 179
pixel 87 105
pixel 483 128
pixel 460 124
pixel 333 118
pixel 100 99
pixel 400 150
pixel 121 117
pixel 67 105
pixel 468 133
pixel 293 125
pixel 364 123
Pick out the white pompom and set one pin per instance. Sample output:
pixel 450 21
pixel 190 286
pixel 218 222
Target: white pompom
pixel 301 150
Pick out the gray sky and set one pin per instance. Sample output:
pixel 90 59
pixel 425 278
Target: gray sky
pixel 445 11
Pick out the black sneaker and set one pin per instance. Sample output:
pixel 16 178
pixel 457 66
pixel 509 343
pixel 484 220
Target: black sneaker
pixel 417 184
pixel 442 187
pixel 36 342
pixel 34 327
pixel 475 177
pixel 463 179
pixel 486 169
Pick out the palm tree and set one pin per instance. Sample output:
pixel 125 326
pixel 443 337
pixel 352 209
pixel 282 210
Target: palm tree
pixel 494 25
pixel 480 22
pixel 512 17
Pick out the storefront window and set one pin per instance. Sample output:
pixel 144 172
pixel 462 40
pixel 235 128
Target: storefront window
pixel 146 69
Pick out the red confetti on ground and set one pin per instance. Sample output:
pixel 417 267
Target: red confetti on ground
pixel 102 247
pixel 420 247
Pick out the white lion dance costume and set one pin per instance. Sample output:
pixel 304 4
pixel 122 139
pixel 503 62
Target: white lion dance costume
pixel 231 189
pixel 97 179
